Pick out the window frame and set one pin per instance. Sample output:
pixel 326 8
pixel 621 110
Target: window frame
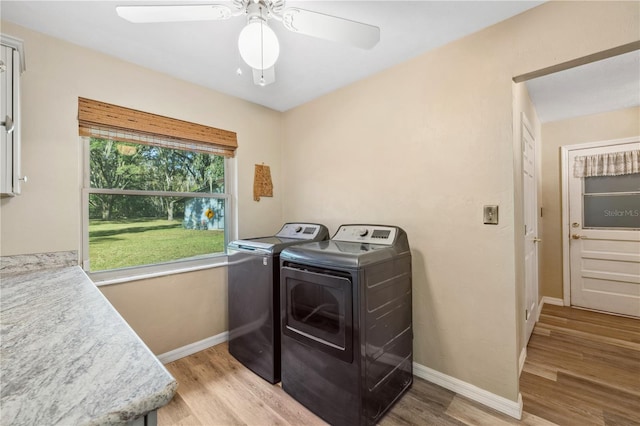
pixel 115 276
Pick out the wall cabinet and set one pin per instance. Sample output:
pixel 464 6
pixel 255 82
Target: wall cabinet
pixel 11 68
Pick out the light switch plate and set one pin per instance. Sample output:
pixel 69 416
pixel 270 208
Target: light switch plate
pixel 490 214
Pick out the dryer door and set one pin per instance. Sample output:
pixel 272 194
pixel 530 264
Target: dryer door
pixel 317 310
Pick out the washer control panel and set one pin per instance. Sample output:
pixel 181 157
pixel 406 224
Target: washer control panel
pixel 300 231
pixel 372 234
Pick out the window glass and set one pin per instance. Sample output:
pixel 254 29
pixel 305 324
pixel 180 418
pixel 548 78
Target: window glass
pixel 149 205
pixel 612 211
pixel 121 165
pixel 608 184
pixel 316 306
pixel 612 202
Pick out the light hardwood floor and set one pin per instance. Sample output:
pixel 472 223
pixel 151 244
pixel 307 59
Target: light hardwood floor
pixel 582 368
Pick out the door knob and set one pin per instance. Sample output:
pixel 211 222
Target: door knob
pixel 576 236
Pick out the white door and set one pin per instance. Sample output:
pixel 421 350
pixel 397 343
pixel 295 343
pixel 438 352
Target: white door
pixel 604 237
pixel 530 194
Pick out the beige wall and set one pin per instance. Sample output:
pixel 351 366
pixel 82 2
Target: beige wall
pixel 424 145
pixel 46 217
pixel 175 310
pixel 592 128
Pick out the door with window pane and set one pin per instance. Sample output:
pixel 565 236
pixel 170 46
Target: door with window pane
pixel 604 247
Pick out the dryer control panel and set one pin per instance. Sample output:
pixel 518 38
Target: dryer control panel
pixel 300 231
pixel 372 234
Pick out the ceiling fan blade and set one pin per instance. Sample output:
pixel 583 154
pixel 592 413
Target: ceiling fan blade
pixel 199 12
pixel 331 27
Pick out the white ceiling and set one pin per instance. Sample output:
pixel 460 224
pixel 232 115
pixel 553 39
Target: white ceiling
pixel 206 53
pixel 601 86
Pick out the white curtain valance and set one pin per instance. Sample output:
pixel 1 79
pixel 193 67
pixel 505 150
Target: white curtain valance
pixel 614 164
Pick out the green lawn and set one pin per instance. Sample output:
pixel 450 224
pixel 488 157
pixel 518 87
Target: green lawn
pixel 123 243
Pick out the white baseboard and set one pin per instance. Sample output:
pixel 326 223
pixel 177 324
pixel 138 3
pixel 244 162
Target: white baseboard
pixel 194 347
pixel 499 403
pixel 552 301
pixel 521 360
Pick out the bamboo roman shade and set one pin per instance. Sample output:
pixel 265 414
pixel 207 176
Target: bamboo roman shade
pixel 103 120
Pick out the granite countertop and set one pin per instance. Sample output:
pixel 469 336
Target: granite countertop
pixel 68 357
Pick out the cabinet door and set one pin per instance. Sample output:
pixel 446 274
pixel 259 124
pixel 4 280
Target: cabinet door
pixel 16 135
pixel 6 117
pixel 10 176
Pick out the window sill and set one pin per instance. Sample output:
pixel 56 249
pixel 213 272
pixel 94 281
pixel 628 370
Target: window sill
pixel 119 276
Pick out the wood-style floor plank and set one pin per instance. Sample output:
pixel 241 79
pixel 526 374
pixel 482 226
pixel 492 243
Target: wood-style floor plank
pixel 206 409
pixel 234 394
pixel 275 398
pixel 472 413
pixel 583 318
pixel 425 403
pixel 582 368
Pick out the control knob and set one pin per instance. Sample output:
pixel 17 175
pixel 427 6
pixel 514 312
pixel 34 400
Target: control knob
pixel 363 232
pixel 298 228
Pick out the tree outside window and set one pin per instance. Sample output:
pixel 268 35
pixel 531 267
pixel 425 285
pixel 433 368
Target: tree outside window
pixel 149 204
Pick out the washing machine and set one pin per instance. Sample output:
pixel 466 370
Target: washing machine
pixel 347 335
pixel 254 296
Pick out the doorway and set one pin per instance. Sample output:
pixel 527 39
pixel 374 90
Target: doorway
pixel 593 98
pixel 601 226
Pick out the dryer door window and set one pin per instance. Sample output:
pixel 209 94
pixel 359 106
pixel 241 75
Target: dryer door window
pixel 318 310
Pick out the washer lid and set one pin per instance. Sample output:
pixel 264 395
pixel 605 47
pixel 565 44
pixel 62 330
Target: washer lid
pixel 290 234
pixel 270 244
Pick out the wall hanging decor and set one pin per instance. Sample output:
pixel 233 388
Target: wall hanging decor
pixel 262 186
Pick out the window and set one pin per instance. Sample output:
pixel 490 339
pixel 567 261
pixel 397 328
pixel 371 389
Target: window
pixel 612 202
pixel 151 203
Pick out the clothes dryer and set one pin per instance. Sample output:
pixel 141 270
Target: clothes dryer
pixel 347 336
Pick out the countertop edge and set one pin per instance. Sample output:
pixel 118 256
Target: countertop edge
pixel 138 409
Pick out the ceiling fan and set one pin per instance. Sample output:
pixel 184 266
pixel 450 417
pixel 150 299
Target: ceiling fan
pixel 258 44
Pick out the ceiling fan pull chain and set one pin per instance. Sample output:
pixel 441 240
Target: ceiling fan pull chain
pixel 262 83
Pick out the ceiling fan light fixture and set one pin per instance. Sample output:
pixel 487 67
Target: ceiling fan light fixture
pixel 258 45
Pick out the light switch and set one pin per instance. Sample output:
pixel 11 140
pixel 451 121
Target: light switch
pixel 490 215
